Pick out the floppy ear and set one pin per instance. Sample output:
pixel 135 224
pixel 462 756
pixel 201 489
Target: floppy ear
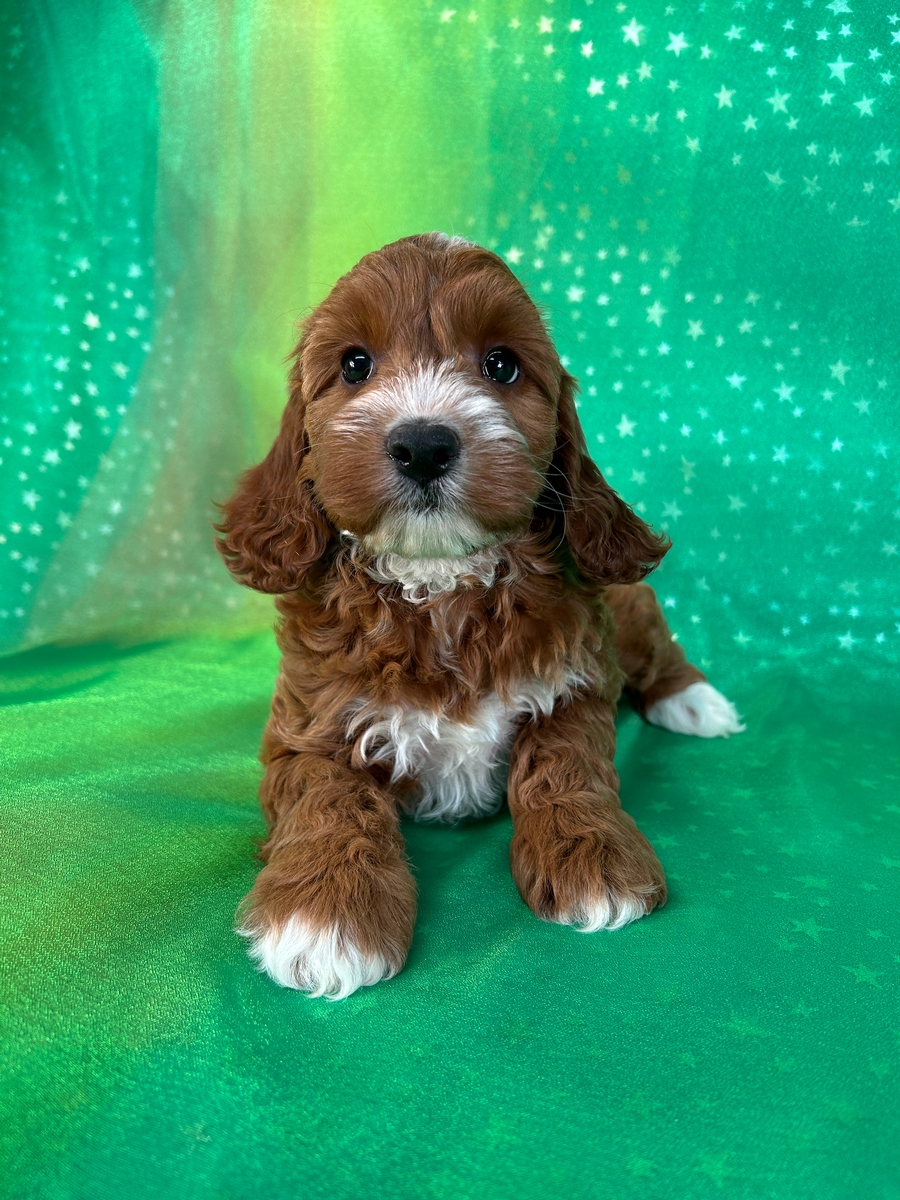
pixel 272 528
pixel 608 541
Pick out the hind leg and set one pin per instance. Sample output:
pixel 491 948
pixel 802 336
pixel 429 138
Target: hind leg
pixel 660 683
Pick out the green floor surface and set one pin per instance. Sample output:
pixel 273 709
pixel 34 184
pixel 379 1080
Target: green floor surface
pixel 741 1042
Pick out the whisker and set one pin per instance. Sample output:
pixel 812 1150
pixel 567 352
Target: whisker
pixel 561 511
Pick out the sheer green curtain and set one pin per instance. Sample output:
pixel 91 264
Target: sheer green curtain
pixel 706 207
pixel 705 199
pixel 182 183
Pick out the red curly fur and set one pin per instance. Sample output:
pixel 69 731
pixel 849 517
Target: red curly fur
pixel 570 555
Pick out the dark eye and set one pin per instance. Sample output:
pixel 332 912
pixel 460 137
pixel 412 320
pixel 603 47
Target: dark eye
pixel 356 366
pixel 501 365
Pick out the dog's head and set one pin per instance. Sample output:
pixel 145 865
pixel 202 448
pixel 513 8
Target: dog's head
pixel 430 417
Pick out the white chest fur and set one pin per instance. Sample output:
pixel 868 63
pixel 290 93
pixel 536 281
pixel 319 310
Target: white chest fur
pixel 460 767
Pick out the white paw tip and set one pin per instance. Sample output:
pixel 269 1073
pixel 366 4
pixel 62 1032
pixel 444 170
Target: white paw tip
pixel 699 710
pixel 320 962
pixel 610 912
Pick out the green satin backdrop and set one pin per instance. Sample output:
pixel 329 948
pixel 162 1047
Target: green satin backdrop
pixel 705 200
pixel 183 181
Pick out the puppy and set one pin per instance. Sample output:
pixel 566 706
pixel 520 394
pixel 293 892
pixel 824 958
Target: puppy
pixel 460 609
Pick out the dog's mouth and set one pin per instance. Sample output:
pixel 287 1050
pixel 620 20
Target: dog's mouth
pixel 427 464
pixel 430 497
pixel 427 517
pixel 428 529
pixel 443 519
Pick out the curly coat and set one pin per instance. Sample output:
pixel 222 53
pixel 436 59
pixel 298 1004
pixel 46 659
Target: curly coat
pixel 541 625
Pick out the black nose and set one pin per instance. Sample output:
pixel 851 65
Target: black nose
pixel 421 451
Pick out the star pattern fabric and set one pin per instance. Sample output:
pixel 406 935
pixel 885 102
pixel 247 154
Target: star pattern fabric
pixel 704 199
pixel 712 232
pixel 728 307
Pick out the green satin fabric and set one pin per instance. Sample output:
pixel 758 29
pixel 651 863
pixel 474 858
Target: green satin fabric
pixel 707 206
pixel 742 1041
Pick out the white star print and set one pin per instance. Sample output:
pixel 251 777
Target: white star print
pixel 656 312
pixel 839 69
pixel 677 44
pixel 839 371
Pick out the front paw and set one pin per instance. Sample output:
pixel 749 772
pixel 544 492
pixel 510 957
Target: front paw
pixel 591 869
pixel 330 932
pixel 321 960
